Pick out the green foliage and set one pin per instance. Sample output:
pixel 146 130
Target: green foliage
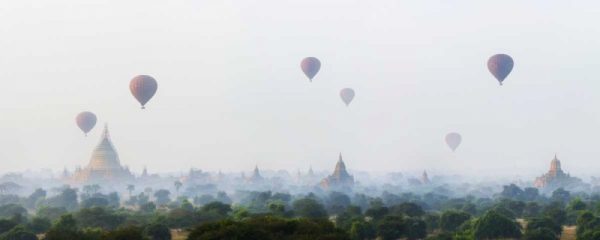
pixel 149 207
pixel 6 225
pixel 544 223
pixel 267 228
pixel 98 217
pixel 162 197
pixel 67 199
pixel 345 219
pixel 556 213
pixel 540 234
pixel 391 227
pixel 377 210
pixel 39 225
pixel 309 208
pixel 415 228
pixel 493 225
pixel 408 208
pixel 51 213
pixel 451 220
pixel 337 202
pixel 18 233
pixel 9 210
pixel 125 233
pixel 576 205
pixel 157 231
pixel 94 202
pixel 561 195
pixel 361 229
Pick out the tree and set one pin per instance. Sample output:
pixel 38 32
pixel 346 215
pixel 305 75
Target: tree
pixel 391 228
pixel 534 226
pixel 531 209
pixel 125 233
pixel 162 196
pixel 377 210
pixel 18 233
pixel 203 199
pixel 540 234
pixel 39 225
pixel 6 225
pixel 452 219
pixel 66 199
pixel 309 208
pixel 177 185
pixel 91 189
pixel 38 195
pixel 493 225
pixel 512 191
pixel 51 213
pixel 98 217
pixel 9 210
pixel 94 202
pixel 561 195
pixel 64 229
pixel 130 189
pixel 576 205
pixel 222 197
pixel 415 228
pixel 337 202
pixel 407 208
pixel 345 219
pixel 216 207
pixel 361 230
pixel 148 207
pixel 556 213
pixel 157 231
pixel 267 228
pixel 530 194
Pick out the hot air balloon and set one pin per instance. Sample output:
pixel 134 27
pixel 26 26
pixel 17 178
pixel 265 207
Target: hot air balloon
pixel 310 66
pixel 86 121
pixel 500 66
pixel 347 95
pixel 143 88
pixel 453 140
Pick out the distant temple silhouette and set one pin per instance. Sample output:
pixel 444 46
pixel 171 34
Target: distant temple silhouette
pixel 555 177
pixel 425 178
pixel 104 165
pixel 340 179
pixel 256 177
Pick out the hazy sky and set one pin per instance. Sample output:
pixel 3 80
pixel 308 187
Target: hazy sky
pixel 232 95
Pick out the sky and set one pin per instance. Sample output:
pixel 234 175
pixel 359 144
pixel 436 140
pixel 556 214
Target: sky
pixel 231 93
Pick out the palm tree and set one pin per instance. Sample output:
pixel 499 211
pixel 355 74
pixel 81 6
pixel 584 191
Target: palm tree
pixel 178 185
pixel 130 189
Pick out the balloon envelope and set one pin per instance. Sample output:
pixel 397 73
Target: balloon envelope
pixel 310 66
pixel 500 65
pixel 347 95
pixel 453 140
pixel 143 88
pixel 86 121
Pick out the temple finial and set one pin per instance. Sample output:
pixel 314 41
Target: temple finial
pixel 105 132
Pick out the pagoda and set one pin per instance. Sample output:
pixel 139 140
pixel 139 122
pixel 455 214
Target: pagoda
pixel 340 179
pixel 104 165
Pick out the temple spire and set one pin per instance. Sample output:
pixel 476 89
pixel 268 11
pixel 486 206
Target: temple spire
pixel 105 133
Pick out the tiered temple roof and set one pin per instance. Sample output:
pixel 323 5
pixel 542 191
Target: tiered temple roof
pixel 104 165
pixel 340 179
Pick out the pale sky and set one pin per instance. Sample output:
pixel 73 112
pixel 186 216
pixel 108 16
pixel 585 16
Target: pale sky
pixel 231 93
